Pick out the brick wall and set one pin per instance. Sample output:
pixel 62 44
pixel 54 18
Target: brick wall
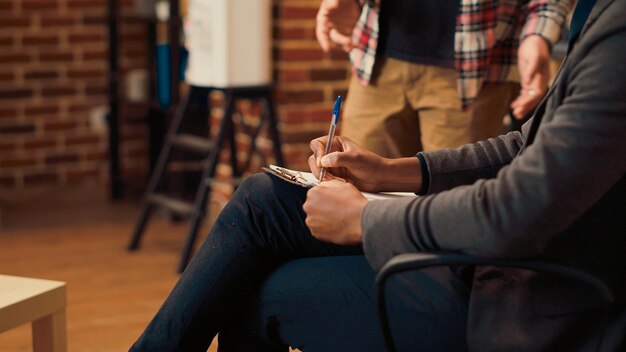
pixel 53 77
pixel 308 79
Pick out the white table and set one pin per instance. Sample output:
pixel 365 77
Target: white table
pixel 40 302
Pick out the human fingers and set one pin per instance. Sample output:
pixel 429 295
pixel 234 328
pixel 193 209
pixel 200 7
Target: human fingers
pixel 316 170
pixel 334 212
pixel 349 153
pixel 331 160
pixel 340 39
pixel 323 23
pixel 526 102
pixel 322 32
pixel 318 147
pixel 313 166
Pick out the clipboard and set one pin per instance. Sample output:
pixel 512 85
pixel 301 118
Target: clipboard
pixel 300 178
pixel 307 180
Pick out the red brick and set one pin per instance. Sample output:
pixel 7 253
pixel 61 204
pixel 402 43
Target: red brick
pixel 56 21
pixel 41 110
pixel 15 22
pixel 328 74
pixel 127 4
pixel 321 115
pixel 85 38
pixel 293 75
pixel 39 4
pixel 57 91
pixel 91 20
pixel 137 153
pixel 8 113
pixel 14 58
pixel 6 6
pixel 77 176
pixel 135 63
pixel 95 55
pixel 96 156
pixel 8 147
pixel 40 40
pixel 16 93
pixel 300 54
pixel 74 108
pixel 302 136
pixel 40 143
pixel 296 56
pixel 6 41
pixel 135 135
pixel 307 13
pixel 62 158
pixel 65 57
pixel 86 4
pixel 8 181
pixel 134 51
pixel 40 74
pixel 17 129
pixel 40 178
pixel 7 76
pixel 134 37
pixel 82 140
pixel 85 73
pixel 18 162
pixel 134 112
pixel 96 90
pixel 60 126
pixel 291 33
pixel 297 115
pixel 300 96
pixel 339 55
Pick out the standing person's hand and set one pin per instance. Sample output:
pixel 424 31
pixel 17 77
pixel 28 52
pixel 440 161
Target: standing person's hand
pixel 333 212
pixel 349 162
pixel 533 60
pixel 334 23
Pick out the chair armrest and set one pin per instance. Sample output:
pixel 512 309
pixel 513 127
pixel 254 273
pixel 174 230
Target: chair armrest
pixel 415 261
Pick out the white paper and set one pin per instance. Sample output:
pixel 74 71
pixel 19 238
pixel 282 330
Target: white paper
pixel 312 181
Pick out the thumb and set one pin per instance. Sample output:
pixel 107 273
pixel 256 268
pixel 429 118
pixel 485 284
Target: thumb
pixel 337 159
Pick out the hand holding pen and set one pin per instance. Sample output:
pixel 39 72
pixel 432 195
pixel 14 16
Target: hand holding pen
pixel 331 132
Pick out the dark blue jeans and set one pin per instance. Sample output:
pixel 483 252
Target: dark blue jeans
pixel 263 283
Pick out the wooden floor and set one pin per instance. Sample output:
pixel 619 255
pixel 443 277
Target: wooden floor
pixel 78 236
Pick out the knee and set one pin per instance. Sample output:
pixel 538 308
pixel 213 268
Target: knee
pixel 258 187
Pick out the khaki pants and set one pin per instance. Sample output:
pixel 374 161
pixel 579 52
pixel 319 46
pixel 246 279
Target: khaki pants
pixel 403 99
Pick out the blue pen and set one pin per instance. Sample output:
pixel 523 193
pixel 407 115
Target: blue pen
pixel 331 132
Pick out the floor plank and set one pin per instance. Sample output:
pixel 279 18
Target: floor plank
pixel 79 236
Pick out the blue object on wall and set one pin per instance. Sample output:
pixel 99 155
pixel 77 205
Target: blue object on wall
pixel 163 63
pixel 184 62
pixel 164 96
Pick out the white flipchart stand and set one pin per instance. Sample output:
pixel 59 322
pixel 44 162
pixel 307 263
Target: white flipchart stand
pixel 229 43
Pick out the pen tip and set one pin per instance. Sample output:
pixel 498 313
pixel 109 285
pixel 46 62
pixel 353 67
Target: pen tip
pixel 336 109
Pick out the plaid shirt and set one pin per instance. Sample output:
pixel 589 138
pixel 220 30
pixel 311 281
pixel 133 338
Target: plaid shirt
pixel 488 33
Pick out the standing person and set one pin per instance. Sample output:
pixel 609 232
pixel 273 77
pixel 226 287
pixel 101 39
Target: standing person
pixel 283 266
pixel 443 68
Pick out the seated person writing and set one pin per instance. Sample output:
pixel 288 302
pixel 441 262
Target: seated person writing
pixel 286 266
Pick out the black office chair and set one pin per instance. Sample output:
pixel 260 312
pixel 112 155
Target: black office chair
pixel 415 261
